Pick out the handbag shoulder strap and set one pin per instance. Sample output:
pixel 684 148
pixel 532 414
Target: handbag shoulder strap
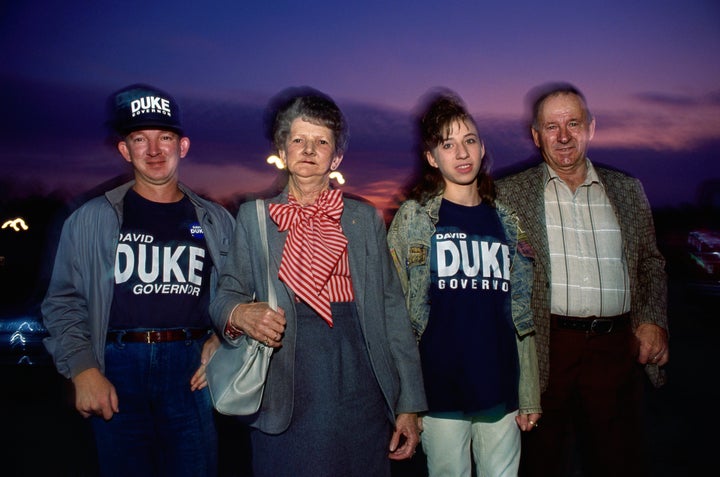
pixel 272 297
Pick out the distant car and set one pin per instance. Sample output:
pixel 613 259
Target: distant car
pixel 28 231
pixel 21 338
pixel 704 252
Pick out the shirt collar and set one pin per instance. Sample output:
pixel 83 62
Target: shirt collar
pixel 590 178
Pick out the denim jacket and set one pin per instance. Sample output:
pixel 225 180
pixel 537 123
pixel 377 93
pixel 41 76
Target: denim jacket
pixel 409 242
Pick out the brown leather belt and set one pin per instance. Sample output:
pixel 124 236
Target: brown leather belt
pixel 596 325
pixel 157 336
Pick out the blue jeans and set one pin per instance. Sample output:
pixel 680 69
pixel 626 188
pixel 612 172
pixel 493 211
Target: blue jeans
pixel 495 446
pixel 162 429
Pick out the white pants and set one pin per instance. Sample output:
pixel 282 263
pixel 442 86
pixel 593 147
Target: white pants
pixel 495 447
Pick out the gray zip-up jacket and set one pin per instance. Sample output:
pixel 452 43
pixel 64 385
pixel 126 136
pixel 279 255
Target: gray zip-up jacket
pixel 76 308
pixel 409 242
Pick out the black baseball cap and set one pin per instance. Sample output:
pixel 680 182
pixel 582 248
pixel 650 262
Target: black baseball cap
pixel 141 106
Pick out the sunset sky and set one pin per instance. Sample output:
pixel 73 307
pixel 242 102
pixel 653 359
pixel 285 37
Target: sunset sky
pixel 649 69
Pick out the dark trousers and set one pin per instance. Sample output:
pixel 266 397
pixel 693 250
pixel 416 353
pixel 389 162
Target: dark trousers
pixel 592 409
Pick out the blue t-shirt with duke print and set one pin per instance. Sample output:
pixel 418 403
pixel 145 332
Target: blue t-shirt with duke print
pixel 468 350
pixel 162 267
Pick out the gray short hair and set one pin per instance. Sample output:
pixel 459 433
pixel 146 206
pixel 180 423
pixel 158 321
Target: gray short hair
pixel 312 106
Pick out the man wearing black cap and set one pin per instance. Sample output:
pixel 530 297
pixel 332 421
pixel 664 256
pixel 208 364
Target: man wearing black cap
pixel 127 304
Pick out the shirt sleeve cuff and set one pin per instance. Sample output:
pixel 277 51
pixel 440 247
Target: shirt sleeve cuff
pixel 231 331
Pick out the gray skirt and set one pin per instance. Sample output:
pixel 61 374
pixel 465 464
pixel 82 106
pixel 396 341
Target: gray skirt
pixel 339 425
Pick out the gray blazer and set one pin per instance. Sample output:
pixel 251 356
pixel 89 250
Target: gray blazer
pixel 524 192
pixel 381 307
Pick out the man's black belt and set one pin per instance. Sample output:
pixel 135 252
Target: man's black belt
pixel 157 336
pixel 597 325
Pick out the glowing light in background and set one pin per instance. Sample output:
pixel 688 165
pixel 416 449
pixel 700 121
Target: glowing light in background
pixel 337 175
pixel 276 161
pixel 17 224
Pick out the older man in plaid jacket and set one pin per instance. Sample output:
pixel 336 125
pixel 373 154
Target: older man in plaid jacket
pixel 599 296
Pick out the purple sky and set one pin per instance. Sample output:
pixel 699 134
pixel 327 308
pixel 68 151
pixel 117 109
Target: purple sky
pixel 649 69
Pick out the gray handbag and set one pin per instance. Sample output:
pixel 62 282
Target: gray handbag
pixel 236 374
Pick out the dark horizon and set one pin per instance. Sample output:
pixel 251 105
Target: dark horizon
pixel 57 141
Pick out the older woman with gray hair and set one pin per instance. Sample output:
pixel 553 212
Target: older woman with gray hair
pixel 344 385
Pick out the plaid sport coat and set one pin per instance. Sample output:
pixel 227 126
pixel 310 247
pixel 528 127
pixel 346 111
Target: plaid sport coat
pixel 524 192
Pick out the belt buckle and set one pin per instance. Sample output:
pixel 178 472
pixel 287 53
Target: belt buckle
pixel 601 325
pixel 148 337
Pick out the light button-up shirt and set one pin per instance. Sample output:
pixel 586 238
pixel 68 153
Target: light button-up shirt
pixel 588 269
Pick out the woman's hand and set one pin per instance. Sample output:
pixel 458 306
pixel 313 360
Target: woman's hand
pixel 406 436
pixel 260 322
pixel 527 422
